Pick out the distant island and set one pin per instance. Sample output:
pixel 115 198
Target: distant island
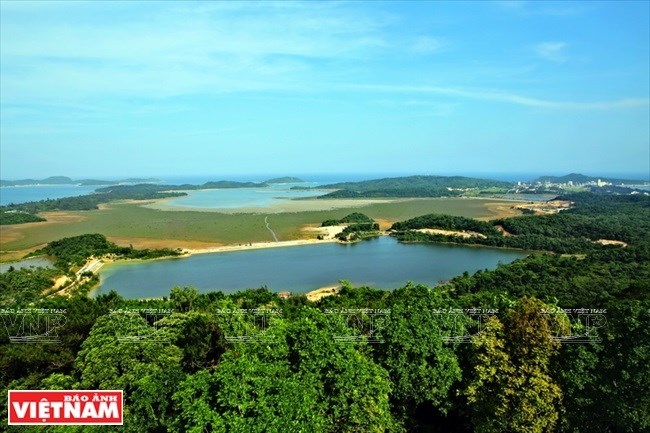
pixel 64 180
pixel 286 179
pixel 219 184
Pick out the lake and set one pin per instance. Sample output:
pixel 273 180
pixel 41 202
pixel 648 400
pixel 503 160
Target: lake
pixel 235 198
pixel 381 262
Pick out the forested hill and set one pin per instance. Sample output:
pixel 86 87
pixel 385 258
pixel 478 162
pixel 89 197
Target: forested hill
pixel 412 186
pixel 74 251
pixel 594 217
pixel 581 178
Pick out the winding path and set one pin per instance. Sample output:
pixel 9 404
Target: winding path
pixel 268 226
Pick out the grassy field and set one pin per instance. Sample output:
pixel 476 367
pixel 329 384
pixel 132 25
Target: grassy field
pixel 143 227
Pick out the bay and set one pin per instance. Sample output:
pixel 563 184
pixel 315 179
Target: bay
pixel 381 262
pixel 24 194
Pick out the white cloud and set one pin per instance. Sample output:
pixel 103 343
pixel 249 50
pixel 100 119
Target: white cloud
pixel 172 49
pixel 511 5
pixel 176 50
pixel 506 97
pixel 552 51
pixel 427 45
pixel 525 8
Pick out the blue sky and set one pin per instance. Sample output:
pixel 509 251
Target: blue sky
pixel 110 89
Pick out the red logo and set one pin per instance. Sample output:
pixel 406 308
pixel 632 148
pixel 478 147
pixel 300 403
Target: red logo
pixel 65 407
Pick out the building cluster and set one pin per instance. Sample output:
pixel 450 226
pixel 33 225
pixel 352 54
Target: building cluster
pixel 548 186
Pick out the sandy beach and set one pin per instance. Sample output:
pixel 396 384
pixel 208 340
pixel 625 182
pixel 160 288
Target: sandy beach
pixel 318 294
pixel 256 246
pixel 328 232
pixel 463 234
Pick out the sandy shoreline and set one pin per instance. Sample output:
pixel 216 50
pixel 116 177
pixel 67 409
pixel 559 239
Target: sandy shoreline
pixel 318 294
pixel 461 233
pixel 328 236
pixel 255 246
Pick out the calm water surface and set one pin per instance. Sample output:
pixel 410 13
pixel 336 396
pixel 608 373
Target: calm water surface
pixel 243 197
pixel 24 194
pixel 382 263
pixel 34 262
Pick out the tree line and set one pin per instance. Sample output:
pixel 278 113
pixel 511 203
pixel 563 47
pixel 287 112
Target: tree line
pixel 294 375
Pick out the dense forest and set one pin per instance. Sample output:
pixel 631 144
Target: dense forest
pixel 624 218
pixel 74 251
pixel 21 287
pixel 446 222
pixel 17 217
pixel 553 342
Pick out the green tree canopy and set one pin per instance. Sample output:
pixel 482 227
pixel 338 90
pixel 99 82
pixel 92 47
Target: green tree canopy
pixel 510 389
